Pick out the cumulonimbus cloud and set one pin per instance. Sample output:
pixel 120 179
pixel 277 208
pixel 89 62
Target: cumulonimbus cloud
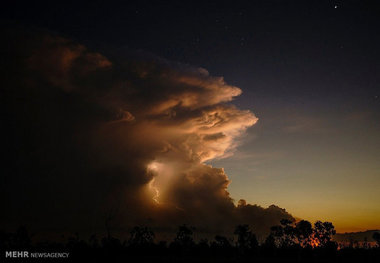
pixel 127 140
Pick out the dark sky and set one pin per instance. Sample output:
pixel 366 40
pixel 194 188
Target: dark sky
pixel 309 70
pixel 289 50
pixel 329 39
pixel 269 48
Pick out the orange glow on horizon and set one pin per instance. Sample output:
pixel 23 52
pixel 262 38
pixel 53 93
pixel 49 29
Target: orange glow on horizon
pixel 314 242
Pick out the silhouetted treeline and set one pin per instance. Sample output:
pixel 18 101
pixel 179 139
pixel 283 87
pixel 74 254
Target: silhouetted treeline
pixel 287 242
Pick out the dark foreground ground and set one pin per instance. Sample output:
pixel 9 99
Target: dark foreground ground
pixel 141 247
pixel 84 253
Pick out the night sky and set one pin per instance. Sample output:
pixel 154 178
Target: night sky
pixel 308 70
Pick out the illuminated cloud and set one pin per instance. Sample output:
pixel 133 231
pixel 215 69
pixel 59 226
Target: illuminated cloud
pixel 126 139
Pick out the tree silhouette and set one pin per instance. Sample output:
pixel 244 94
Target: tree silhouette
pixel 184 237
pixel 93 241
pixel 242 232
pixel 304 231
pixel 289 232
pixel 323 232
pixel 245 238
pixel 141 246
pixel 284 234
pixel 269 243
pixel 203 243
pixel 141 236
pixel 277 232
pixel 376 237
pixel 221 242
pixel 202 248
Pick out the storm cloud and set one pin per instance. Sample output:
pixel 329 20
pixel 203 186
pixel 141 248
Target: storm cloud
pixel 122 139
